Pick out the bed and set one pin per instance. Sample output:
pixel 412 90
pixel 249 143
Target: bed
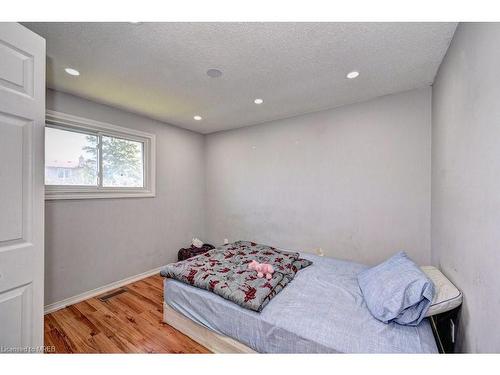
pixel 321 311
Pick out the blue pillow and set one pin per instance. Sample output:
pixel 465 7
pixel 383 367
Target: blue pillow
pixel 397 290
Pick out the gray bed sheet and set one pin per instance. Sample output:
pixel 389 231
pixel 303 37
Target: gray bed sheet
pixel 321 311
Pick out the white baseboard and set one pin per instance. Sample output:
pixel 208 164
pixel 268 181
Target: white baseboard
pixel 95 292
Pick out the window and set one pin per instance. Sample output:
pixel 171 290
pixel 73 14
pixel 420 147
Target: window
pixel 122 162
pixel 68 151
pixel 89 159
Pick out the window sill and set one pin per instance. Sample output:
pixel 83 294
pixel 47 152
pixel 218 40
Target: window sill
pixel 57 195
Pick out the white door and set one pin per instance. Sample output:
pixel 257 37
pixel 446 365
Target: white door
pixel 22 107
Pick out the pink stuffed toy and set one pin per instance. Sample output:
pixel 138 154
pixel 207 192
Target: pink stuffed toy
pixel 263 269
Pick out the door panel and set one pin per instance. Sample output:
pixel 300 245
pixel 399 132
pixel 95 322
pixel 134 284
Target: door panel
pixel 15 308
pixel 17 74
pixel 22 108
pixel 11 178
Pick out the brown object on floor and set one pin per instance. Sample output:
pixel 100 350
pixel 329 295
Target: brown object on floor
pixel 129 322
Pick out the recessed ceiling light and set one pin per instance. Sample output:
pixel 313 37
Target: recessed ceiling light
pixel 352 75
pixel 198 118
pixel 214 73
pixel 72 72
pixel 136 22
pixel 258 101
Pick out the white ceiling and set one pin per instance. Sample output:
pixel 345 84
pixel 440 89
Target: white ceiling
pixel 159 69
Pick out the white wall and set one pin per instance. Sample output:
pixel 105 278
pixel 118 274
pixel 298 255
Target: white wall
pixel 93 242
pixel 353 180
pixel 466 179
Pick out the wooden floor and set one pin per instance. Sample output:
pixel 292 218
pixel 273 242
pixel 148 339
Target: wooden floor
pixel 130 322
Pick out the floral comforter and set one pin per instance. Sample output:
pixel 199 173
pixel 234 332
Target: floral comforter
pixel 224 271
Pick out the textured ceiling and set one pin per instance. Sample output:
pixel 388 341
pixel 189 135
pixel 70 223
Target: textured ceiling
pixel 159 69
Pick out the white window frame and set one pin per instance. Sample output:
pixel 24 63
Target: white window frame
pixel 64 121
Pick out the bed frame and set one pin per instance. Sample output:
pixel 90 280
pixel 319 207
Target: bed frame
pixel 209 339
pixel 218 343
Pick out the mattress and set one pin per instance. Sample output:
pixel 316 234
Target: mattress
pixel 447 296
pixel 321 311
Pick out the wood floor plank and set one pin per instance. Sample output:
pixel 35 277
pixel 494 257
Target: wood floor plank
pixel 129 303
pixel 60 342
pixel 145 335
pixel 84 307
pixel 130 322
pixel 82 319
pixel 75 333
pixel 182 343
pixel 146 293
pixel 104 344
pixel 145 299
pixel 120 332
pixel 154 284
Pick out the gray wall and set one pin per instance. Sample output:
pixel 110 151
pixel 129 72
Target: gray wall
pixel 354 180
pixel 466 179
pixel 93 242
